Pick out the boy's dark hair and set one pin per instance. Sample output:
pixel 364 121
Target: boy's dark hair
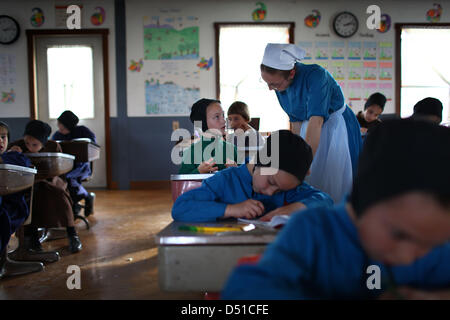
pixel 402 156
pixel 4 125
pixel 68 120
pixel 283 73
pixel 377 98
pixel 241 108
pixel 38 130
pixel 428 107
pixel 198 111
pixel 295 155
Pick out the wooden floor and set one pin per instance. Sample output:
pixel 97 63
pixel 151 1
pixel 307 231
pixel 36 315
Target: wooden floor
pixel 119 256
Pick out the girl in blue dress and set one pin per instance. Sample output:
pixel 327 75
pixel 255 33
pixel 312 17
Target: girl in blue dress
pixel 317 111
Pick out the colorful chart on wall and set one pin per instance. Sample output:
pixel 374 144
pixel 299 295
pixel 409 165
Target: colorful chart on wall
pixel 171 38
pixel 354 50
pixel 171 89
pixel 308 47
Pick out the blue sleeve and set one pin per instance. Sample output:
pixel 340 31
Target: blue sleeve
pixel 202 204
pixel 89 134
pixel 430 272
pixel 294 249
pixel 16 158
pixel 57 136
pixel 319 94
pixel 309 196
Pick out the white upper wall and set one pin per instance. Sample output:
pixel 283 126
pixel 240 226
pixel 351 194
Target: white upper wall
pixel 21 10
pixel 209 12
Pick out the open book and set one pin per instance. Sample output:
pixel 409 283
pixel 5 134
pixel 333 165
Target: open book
pixel 275 222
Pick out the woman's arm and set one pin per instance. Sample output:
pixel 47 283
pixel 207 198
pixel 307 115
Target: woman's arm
pixel 295 127
pixel 313 132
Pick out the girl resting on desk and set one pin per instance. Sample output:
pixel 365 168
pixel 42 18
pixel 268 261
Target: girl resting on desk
pixel 266 188
pixel 13 207
pixel 390 238
pixel 211 153
pixel 52 205
pixel 68 129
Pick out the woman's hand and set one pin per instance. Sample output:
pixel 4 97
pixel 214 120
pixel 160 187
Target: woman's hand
pixel 285 210
pixel 207 166
pixel 15 148
pixel 247 209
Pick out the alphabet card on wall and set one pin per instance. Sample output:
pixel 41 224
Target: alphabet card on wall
pixel 63 18
pixel 308 47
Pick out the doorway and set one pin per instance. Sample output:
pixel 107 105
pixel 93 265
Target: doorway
pixel 70 75
pixel 424 66
pixel 239 52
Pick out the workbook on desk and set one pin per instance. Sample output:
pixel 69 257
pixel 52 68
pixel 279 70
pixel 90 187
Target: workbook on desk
pixel 275 222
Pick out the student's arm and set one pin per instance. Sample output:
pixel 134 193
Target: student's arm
pixel 284 270
pixel 309 196
pixel 201 204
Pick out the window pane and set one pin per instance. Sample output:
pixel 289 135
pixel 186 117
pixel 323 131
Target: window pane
pixel 70 81
pixel 241 50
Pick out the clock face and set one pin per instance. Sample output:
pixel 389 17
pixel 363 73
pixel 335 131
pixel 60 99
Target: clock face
pixel 9 30
pixel 345 24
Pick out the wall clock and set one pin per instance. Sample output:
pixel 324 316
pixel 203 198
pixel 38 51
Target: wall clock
pixel 345 24
pixel 9 29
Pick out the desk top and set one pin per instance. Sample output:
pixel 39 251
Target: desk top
pixel 190 177
pixel 171 235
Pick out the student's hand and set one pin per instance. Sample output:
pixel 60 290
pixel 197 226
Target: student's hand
pixel 15 148
pixel 285 210
pixel 247 209
pixel 230 163
pixel 415 294
pixel 207 166
pixel 363 130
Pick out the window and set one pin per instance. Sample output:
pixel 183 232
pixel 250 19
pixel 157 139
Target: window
pixel 241 49
pixel 425 68
pixel 70 81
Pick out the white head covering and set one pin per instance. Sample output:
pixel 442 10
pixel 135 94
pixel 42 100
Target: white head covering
pixel 282 56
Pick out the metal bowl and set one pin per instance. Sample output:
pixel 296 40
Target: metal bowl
pixel 51 164
pixel 15 178
pixel 83 149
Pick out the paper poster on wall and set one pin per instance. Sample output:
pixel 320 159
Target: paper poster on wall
pixel 385 71
pixel 370 70
pixel 354 50
pixel 308 47
pixel 337 70
pixel 370 51
pixel 387 90
pixel 322 50
pixel 354 91
pixel 8 96
pixel 37 19
pixel 434 14
pixel 171 89
pixel 385 51
pixel 355 70
pixel 368 89
pixel 337 50
pixel 171 38
pixel 7 70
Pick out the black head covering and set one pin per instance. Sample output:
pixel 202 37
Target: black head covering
pixel 376 98
pixel 38 130
pixel 428 107
pixel 4 125
pixel 68 119
pixel 295 155
pixel 401 156
pixel 198 111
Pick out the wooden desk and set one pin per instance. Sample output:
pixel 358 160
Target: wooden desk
pixel 201 262
pixel 51 164
pixel 15 178
pixel 83 149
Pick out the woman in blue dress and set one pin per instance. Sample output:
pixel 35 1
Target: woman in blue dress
pixel 316 107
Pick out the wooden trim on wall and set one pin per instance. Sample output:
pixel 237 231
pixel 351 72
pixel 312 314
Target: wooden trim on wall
pixel 32 83
pixel 150 185
pixel 398 54
pixel 217 26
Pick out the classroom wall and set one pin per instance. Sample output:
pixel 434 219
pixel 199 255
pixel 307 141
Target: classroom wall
pixel 140 142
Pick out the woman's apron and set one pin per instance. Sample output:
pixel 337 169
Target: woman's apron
pixel 331 169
